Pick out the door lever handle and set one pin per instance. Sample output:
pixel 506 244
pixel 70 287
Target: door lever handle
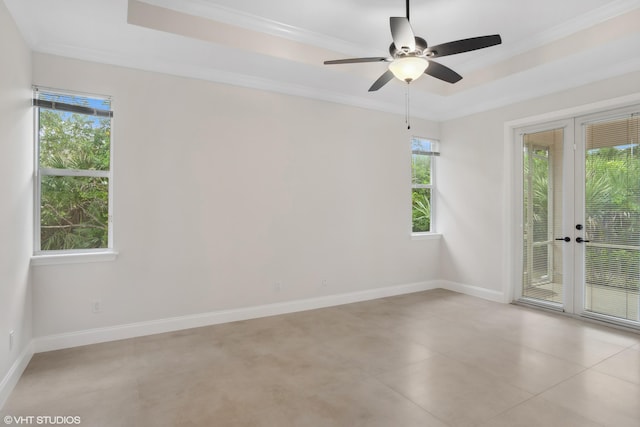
pixel 581 240
pixel 566 239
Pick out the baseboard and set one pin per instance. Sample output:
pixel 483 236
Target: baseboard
pixel 15 372
pixel 471 290
pixel 114 333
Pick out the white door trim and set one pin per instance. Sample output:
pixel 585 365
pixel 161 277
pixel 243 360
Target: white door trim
pixel 567 125
pixel 510 238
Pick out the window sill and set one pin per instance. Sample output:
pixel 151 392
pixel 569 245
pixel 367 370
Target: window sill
pixel 73 257
pixel 425 236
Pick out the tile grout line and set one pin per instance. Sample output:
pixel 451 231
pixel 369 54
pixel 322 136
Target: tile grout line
pixel 399 393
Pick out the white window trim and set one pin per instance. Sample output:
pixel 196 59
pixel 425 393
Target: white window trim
pixel 426 235
pixel 71 256
pixel 433 233
pixel 75 172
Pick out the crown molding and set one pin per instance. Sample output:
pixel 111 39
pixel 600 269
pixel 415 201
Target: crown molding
pixel 567 28
pixel 149 64
pixel 248 21
pixel 457 105
pixel 429 105
pixel 530 92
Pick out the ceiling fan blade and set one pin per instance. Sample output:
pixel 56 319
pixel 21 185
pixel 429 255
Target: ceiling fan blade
pixel 465 45
pixel 382 80
pixel 355 60
pixel 442 72
pixel 402 34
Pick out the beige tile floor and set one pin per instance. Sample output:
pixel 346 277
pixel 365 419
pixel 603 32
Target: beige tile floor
pixel 433 358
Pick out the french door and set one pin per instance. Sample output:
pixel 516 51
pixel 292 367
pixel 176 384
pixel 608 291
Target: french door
pixel 581 216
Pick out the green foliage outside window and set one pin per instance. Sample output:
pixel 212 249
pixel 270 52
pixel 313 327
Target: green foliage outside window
pixel 421 212
pixel 613 216
pixel 421 183
pixel 74 210
pixel 612 213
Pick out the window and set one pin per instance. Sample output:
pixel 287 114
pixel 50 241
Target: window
pixel 423 151
pixel 73 182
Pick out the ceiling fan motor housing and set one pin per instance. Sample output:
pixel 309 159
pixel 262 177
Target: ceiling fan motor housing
pixel 421 46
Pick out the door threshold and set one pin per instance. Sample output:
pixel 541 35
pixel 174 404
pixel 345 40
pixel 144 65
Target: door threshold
pixel 584 317
pixel 557 308
pixel 627 325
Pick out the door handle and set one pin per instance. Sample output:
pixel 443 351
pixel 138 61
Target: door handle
pixel 566 239
pixel 581 240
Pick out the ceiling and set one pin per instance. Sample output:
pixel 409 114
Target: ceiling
pixel 280 45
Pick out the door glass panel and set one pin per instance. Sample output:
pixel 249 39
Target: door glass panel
pixel 542 195
pixel 612 218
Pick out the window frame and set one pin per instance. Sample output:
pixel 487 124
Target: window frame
pixel 64 256
pixel 434 144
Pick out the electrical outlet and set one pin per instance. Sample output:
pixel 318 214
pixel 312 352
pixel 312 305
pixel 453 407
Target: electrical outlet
pixel 324 283
pixel 11 337
pixel 96 306
pixel 277 286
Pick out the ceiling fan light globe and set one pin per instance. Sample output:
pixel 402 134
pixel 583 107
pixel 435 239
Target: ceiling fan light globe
pixel 408 68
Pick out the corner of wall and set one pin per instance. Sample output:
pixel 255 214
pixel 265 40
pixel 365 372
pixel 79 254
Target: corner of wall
pixel 12 377
pixel 474 291
pixel 16 190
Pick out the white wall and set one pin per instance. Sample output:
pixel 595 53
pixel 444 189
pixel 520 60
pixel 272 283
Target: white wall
pixel 472 178
pixel 222 191
pixel 16 196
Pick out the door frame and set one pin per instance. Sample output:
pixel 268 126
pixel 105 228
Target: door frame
pixel 580 197
pixel 568 148
pixel 511 248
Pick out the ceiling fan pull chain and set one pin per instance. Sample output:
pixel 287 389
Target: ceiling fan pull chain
pixel 407 117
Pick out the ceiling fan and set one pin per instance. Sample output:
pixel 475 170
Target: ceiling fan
pixel 411 56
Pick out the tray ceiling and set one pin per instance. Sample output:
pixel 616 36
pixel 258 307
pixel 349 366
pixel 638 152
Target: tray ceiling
pixel 280 45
